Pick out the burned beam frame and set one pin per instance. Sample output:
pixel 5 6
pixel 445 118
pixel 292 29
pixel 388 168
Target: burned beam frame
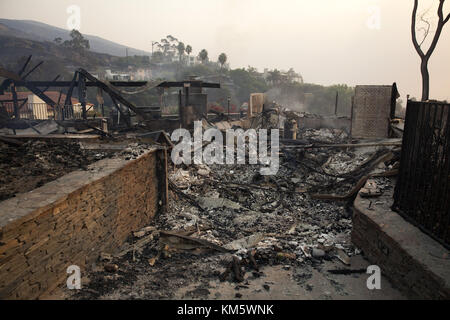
pixel 88 83
pixel 82 80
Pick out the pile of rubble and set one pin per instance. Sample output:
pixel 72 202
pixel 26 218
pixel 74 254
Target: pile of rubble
pixel 29 165
pixel 229 222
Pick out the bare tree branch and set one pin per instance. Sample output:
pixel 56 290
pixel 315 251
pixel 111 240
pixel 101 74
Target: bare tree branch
pixel 437 34
pixel 447 19
pixel 440 10
pixel 413 29
pixel 425 57
pixel 425 31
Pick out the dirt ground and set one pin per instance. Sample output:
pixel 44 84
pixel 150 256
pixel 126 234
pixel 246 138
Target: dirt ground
pixel 275 283
pixel 191 278
pixel 297 283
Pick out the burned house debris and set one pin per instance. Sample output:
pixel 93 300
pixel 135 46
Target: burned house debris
pixel 108 198
pixel 192 103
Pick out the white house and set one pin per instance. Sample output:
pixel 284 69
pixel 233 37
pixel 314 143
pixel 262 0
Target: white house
pixel 117 76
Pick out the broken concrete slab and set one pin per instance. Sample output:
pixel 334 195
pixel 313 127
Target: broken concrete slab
pixel 245 243
pixel 216 203
pixel 45 127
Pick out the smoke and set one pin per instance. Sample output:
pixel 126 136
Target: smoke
pixel 293 100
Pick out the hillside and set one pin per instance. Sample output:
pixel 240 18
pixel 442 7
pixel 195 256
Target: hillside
pixel 14 47
pixel 62 61
pixel 39 31
pixel 57 59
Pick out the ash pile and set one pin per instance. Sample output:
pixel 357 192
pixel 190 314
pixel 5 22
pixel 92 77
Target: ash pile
pixel 25 166
pixel 228 222
pixel 301 215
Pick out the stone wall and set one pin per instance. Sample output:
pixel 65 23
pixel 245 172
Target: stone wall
pixel 71 220
pixel 414 263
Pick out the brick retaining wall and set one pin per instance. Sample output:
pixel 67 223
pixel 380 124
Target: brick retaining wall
pixel 71 220
pixel 414 263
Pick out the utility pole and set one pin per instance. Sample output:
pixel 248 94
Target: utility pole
pixel 336 105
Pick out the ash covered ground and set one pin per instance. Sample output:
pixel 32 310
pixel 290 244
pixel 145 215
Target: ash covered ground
pixel 34 163
pixel 230 232
pixel 29 165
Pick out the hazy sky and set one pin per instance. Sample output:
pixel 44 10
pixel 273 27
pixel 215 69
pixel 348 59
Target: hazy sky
pixel 327 41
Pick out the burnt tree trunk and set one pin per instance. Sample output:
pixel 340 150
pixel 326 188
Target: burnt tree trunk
pixel 425 79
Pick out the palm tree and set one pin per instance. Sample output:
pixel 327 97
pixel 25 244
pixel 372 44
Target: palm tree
pixel 203 55
pixel 171 38
pixel 222 59
pixel 274 76
pixel 188 51
pixel 181 48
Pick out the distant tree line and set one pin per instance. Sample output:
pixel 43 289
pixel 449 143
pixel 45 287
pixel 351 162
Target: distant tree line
pixel 77 41
pixel 170 61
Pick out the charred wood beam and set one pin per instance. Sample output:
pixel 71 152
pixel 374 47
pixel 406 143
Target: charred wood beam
pixel 11 100
pixel 186 96
pixel 345 145
pixel 361 182
pixel 72 84
pixel 125 116
pixel 31 126
pixel 10 76
pixel 32 70
pixel 56 78
pixel 59 98
pixel 5 84
pixel 112 92
pixel 62 84
pixel 180 104
pixel 40 94
pixel 122 83
pixel 194 84
pixel 16 103
pixel 59 106
pixel 23 103
pixel 82 94
pixel 13 78
pixel 25 65
pixel 103 133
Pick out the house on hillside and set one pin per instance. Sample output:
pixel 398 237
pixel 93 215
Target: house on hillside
pixel 109 75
